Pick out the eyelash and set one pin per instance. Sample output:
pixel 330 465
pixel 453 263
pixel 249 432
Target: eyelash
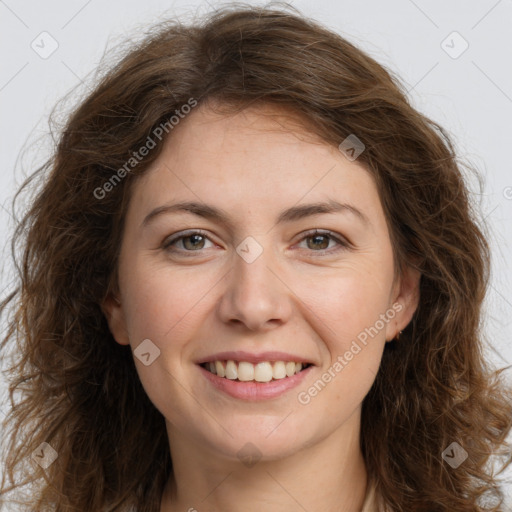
pixel 343 245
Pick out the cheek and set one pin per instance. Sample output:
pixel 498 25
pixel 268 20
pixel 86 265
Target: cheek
pixel 350 303
pixel 160 306
pixel 158 302
pixel 347 317
pixel 348 310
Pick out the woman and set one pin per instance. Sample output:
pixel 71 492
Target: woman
pixel 252 277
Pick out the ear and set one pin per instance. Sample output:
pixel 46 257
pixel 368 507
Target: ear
pixel 114 313
pixel 405 298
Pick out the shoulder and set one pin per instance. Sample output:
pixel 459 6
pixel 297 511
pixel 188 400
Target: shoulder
pixel 370 501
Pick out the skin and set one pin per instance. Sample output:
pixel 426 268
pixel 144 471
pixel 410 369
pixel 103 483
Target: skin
pixel 291 298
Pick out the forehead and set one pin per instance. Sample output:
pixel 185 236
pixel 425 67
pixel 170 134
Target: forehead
pixel 260 158
pixel 258 132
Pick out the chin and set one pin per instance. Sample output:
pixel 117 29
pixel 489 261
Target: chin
pixel 262 443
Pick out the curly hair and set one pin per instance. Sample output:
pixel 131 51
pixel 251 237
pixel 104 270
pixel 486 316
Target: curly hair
pixel 73 387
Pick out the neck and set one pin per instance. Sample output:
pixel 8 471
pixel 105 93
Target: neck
pixel 328 476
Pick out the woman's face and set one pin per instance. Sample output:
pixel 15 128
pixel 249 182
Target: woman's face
pixel 258 282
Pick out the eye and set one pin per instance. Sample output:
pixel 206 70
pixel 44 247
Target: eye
pixel 192 241
pixel 321 239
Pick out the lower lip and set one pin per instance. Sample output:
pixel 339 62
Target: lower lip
pixel 255 391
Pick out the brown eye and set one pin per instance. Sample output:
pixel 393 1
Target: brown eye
pixel 318 241
pixel 196 241
pixel 190 242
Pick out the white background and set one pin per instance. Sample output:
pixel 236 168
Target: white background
pixel 471 95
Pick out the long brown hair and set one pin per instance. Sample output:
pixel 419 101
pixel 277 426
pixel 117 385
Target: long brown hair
pixel 73 387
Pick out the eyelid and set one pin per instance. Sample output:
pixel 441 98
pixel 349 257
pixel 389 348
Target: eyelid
pixel 343 242
pixel 184 234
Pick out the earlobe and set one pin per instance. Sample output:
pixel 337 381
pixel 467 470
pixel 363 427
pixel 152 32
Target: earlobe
pixel 408 296
pixel 114 313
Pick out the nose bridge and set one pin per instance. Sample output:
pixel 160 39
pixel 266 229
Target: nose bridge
pixel 254 295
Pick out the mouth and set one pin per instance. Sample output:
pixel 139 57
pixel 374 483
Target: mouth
pixel 264 371
pixel 263 380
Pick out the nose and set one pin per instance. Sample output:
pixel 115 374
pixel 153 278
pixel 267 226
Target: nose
pixel 255 295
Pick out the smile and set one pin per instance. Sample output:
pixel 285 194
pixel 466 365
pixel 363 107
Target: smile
pixel 260 381
pixel 264 371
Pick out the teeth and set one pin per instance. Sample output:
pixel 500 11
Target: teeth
pixel 231 371
pixel 219 367
pixel 279 370
pixel 290 368
pixel 263 372
pixel 244 371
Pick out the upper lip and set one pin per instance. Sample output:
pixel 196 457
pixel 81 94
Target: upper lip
pixel 241 355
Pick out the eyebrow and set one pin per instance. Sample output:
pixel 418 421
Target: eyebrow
pixel 289 215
